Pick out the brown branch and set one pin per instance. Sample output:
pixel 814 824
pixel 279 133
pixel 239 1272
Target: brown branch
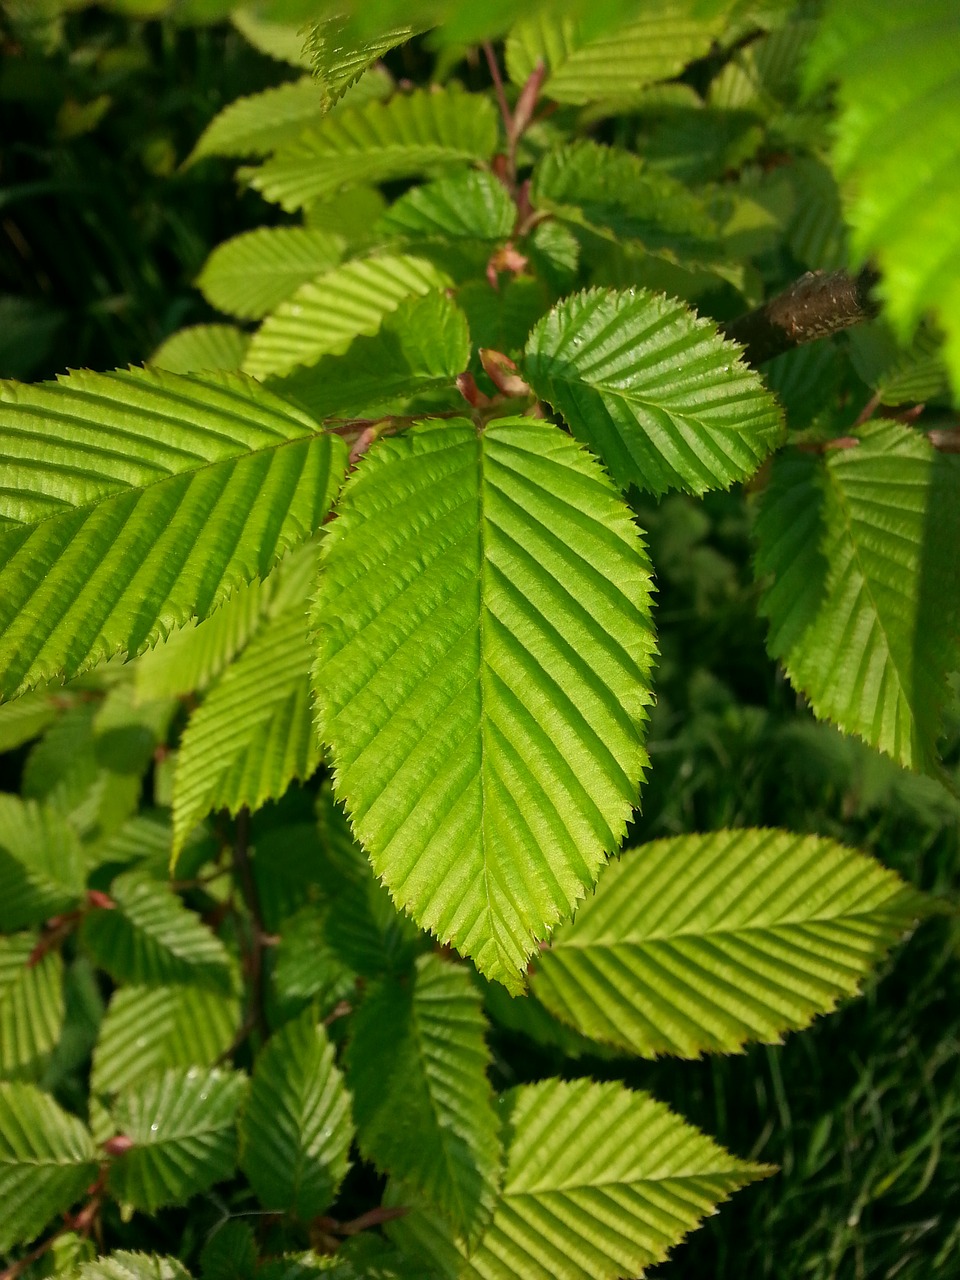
pixel 815 306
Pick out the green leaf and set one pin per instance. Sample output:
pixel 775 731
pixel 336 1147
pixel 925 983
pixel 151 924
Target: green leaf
pixel 202 347
pixel 183 1125
pixel 280 40
pixel 325 315
pixel 899 376
pixel 138 500
pixel 31 1007
pixel 471 205
pixel 150 937
pixel 424 344
pixel 864 584
pixel 255 271
pixel 230 1253
pixel 25 719
pixel 306 968
pixel 42 870
pixel 486 733
pixel 701 943
pixel 339 63
pixel 653 388
pixel 897 153
pixel 601 1182
pixel 256 125
pixel 133 1266
pixel 616 65
pixel 148 1028
pixel 409 135
pixel 417 1067
pixel 350 214
pixel 296 1130
pixel 47 1160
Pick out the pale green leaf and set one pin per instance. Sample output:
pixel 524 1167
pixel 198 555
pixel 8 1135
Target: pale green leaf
pixel 417 1067
pixel 338 62
pixel 296 1129
pixel 349 214
pixel 42 868
pixel 252 273
pixel 700 943
pixel 325 315
pixel 148 1028
pixel 139 499
pixel 183 1125
pixel 281 40
pixel 471 205
pixel 256 125
pixel 858 551
pixel 422 345
pixel 47 1160
pixel 200 347
pixel 486 733
pixel 409 135
pixel 133 1266
pixel 150 937
pixel 27 718
pixel 653 389
pixel 31 1007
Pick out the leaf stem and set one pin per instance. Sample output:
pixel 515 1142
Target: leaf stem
pixel 248 888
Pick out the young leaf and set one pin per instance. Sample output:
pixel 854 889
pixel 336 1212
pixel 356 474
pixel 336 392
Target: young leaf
pixel 47 1160
pixel 280 40
pixel 252 273
pixel 409 135
pixel 258 124
pixel 325 315
pixel 148 1028
pixel 471 205
pixel 601 1182
pixel 42 868
pixel 701 943
pixel 296 1130
pixel 149 937
pixel 417 1067
pixel 653 388
pixel 138 499
pixel 483 695
pixel 339 62
pixel 863 591
pixel 201 347
pixel 31 1007
pixel 183 1127
pixel 133 1266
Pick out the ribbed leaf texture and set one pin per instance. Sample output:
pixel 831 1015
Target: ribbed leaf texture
pixel 484 651
pixel 618 64
pixel 230 1253
pixel 859 554
pixel 653 389
pixel 258 124
pixel 423 1105
pixel 47 1160
pixel 148 1028
pixel 183 1125
pixel 138 499
pixel 424 344
pixel 296 1130
pixel 896 149
pixel 409 135
pixel 701 943
pixel 471 205
pixel 338 62
pixel 150 937
pixel 325 315
pixel 42 867
pixel 899 376
pixel 252 273
pixel 31 1007
pixel 601 1182
pixel 133 1266
pixel 201 347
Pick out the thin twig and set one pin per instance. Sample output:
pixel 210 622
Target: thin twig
pixel 498 87
pixel 248 888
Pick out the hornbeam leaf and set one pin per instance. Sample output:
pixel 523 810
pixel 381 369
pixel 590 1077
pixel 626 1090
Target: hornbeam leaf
pixel 406 136
pixel 31 1007
pixel 296 1130
pixel 280 40
pixel 136 500
pixel 47 1160
pixel 417 1067
pixel 701 943
pixel 470 205
pixel 601 1182
pixel 324 316
pixel 339 62
pixel 183 1125
pixel 133 1266
pixel 484 651
pixel 653 389
pixel 42 869
pixel 200 347
pixel 863 596
pixel 252 273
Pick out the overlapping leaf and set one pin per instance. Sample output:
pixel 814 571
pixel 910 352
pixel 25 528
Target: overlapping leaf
pixel 858 552
pixel 252 273
pixel 404 137
pixel 701 943
pixel 296 1130
pixel 653 388
pixel 124 1265
pixel 417 1068
pixel 325 315
pixel 483 694
pixel 31 1006
pixel 338 62
pixel 471 205
pixel 183 1125
pixel 42 868
pixel 200 347
pixel 138 499
pixel 47 1159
